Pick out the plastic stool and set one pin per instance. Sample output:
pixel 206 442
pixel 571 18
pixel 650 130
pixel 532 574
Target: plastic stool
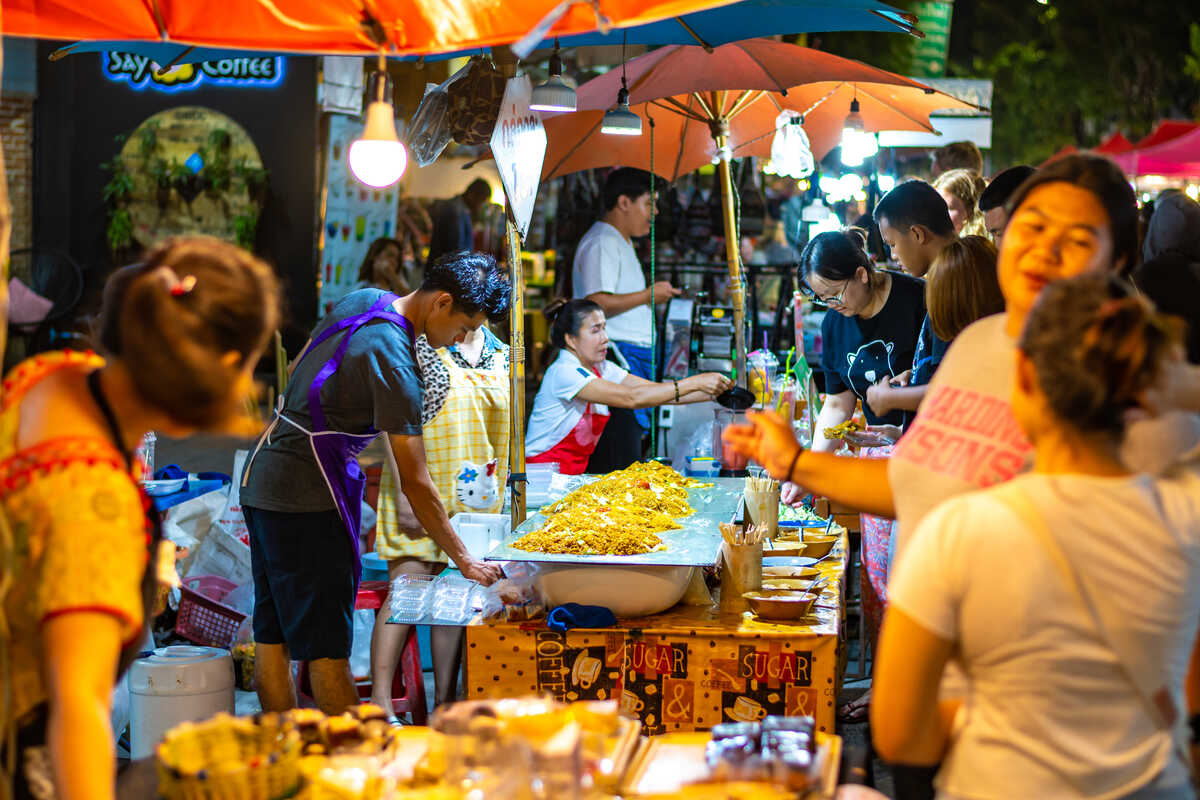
pixel 408 687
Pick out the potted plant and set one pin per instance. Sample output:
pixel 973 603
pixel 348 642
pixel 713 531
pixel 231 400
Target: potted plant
pixel 245 230
pixel 159 172
pixel 186 182
pixel 117 191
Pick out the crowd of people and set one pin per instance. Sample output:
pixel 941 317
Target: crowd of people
pixel 1037 583
pixel 1031 516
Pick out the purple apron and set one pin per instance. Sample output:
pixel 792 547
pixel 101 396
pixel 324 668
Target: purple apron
pixel 336 452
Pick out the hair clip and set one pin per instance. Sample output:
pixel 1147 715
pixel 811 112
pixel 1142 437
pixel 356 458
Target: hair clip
pixel 184 286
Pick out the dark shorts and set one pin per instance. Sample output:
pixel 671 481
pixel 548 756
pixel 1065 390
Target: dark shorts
pixel 303 582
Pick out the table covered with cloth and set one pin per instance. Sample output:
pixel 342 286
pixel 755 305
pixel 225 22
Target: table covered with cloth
pixel 689 668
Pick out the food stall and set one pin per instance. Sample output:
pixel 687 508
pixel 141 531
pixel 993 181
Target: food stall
pixel 675 658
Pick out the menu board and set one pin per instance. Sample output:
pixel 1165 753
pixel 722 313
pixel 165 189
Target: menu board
pixel 355 215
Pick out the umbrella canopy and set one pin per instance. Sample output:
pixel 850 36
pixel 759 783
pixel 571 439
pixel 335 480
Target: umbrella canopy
pixel 709 26
pixel 1117 143
pixel 726 100
pixel 683 89
pixel 331 26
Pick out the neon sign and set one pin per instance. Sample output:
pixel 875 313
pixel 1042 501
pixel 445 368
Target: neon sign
pixel 140 72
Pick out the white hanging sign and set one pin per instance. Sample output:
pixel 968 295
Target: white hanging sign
pixel 519 147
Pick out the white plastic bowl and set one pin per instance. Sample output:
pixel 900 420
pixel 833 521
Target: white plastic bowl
pixel 626 591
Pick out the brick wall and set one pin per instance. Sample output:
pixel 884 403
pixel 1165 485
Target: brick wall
pixel 16 131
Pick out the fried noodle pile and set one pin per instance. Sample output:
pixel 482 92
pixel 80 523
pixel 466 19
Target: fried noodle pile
pixel 619 514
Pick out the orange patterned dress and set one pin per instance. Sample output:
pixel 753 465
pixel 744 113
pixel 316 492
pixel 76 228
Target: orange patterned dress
pixel 80 536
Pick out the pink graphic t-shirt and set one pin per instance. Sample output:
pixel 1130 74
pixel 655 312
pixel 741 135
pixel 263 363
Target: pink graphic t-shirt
pixel 966 438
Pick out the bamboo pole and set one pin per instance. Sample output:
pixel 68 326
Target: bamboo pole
pixel 720 131
pixel 516 371
pixel 7 724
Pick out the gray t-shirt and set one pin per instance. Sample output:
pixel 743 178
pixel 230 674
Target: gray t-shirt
pixel 377 387
pixel 965 436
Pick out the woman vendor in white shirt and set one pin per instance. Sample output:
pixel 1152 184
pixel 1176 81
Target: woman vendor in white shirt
pixel 571 407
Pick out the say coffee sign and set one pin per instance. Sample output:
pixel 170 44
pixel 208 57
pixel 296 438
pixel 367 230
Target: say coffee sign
pixel 519 145
pixel 141 72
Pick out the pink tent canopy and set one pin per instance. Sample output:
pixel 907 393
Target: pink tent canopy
pixel 1165 131
pixel 1178 157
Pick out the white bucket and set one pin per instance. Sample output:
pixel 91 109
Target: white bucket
pixel 176 684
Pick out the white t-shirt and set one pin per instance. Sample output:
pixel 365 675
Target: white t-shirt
pixel 1049 713
pixel 605 261
pixel 556 412
pixel 965 436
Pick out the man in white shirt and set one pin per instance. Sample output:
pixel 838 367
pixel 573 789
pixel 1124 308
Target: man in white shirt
pixel 607 271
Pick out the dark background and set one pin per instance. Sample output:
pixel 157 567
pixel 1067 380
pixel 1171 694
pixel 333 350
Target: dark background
pixel 79 112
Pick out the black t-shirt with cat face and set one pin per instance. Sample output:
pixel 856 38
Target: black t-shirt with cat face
pixel 858 352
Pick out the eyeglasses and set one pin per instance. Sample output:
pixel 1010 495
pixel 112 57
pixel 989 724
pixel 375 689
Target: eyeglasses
pixel 833 300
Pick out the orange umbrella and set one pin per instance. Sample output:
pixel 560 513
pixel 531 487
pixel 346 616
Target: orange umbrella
pixel 403 27
pixel 708 106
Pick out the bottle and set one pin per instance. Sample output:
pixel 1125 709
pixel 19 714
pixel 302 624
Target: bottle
pixel 145 454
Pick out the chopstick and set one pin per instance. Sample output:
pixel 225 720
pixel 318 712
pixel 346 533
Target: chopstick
pixel 761 484
pixel 739 536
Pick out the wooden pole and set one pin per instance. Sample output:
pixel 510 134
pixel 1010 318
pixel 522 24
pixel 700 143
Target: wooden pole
pixel 7 725
pixel 732 250
pixel 516 371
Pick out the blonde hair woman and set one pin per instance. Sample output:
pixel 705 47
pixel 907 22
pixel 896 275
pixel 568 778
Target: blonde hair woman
pixel 960 188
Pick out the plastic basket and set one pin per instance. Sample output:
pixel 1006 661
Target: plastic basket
pixel 202 618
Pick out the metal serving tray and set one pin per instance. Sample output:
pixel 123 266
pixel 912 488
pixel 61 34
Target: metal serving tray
pixel 696 544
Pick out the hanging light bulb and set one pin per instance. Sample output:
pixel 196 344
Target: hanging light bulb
pixel 554 94
pixel 377 158
pixel 619 120
pixel 857 144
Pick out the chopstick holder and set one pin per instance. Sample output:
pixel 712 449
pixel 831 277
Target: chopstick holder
pixel 762 508
pixel 741 571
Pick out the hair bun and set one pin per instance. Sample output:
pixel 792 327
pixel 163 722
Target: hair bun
pixel 857 235
pixel 554 308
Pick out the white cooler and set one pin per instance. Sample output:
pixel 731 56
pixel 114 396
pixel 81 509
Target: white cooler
pixel 176 684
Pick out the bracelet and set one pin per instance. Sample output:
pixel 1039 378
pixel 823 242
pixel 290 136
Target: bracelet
pixel 792 466
pixel 676 390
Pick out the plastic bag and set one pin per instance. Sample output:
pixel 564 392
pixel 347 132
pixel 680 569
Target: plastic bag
pixel 791 153
pixel 429 132
pixel 360 648
pixel 516 598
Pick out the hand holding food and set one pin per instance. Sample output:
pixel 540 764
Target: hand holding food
pixel 840 430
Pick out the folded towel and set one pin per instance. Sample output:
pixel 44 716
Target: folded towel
pixel 573 615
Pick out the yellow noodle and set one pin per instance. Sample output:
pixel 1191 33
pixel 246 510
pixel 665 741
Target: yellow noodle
pixel 619 514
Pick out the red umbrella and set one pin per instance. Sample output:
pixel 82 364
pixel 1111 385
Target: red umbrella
pixel 723 103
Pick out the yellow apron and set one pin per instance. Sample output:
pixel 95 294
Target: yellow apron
pixel 466 448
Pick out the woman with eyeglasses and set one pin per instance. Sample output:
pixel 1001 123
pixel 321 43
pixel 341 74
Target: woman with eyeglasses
pixel 872 332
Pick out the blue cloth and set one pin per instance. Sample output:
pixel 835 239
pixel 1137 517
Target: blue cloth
pixel 641 364
pixel 378 386
pixel 573 615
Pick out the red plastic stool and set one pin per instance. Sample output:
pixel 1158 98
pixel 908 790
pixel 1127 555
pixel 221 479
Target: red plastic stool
pixel 408 687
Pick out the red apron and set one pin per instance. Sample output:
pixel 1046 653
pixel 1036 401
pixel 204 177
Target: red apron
pixel 573 452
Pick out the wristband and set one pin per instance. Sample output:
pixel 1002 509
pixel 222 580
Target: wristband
pixel 792 466
pixel 676 390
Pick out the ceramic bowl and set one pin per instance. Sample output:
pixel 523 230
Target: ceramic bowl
pixel 804 573
pixel 634 591
pixel 818 546
pixel 780 605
